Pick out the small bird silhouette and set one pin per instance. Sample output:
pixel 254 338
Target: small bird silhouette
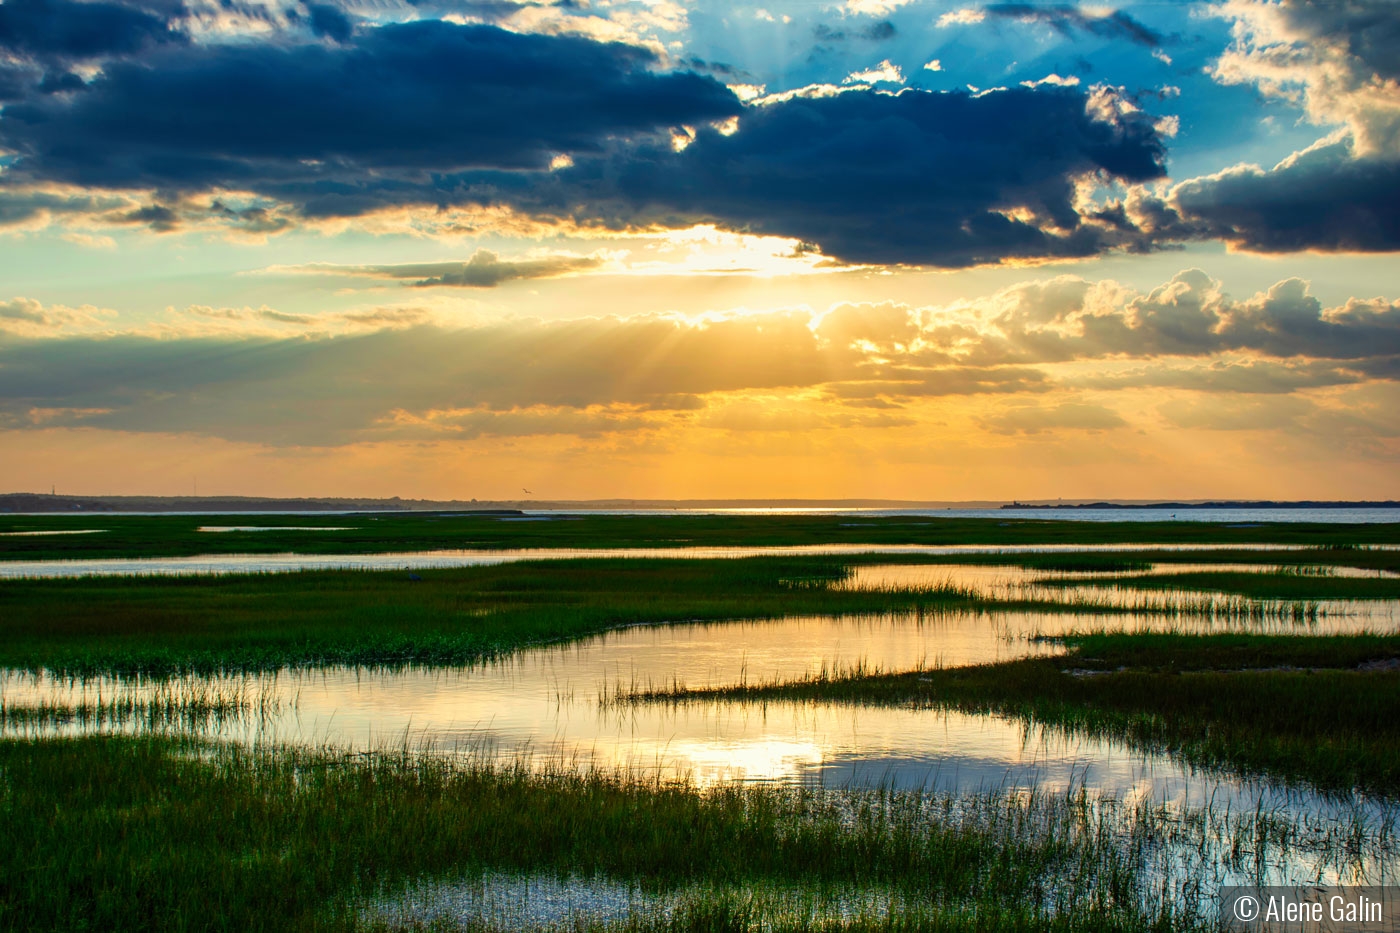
pixel 527 492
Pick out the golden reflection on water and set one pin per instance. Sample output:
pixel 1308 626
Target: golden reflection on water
pixel 551 704
pixel 1180 609
pixel 420 560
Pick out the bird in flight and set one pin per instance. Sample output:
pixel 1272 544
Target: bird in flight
pixel 527 492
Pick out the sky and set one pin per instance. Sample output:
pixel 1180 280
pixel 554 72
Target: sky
pixel 900 249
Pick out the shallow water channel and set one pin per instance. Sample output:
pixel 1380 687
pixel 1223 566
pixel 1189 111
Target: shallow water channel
pixel 557 703
pixel 427 560
pixel 1193 610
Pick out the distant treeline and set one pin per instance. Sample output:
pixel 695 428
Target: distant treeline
pixel 31 502
pixel 1259 504
pixel 37 502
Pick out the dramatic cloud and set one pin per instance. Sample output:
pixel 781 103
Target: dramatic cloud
pixel 945 179
pixel 236 385
pixel 1339 61
pixel 567 130
pixel 1068 319
pixel 343 387
pixel 324 118
pixel 1322 198
pixel 329 22
pixel 412 99
pixel 36 207
pixel 393 372
pixel 15 81
pixel 65 31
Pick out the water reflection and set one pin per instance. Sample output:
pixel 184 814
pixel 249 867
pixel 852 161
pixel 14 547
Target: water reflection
pixel 1185 610
pixel 223 528
pixel 44 534
pixel 551 704
pixel 427 560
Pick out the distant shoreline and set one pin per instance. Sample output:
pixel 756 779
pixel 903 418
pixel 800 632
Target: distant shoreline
pixel 38 503
pixel 1230 504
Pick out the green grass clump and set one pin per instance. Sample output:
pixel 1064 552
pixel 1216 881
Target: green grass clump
pixel 1084 562
pixel 1290 707
pixel 1284 583
pixel 1175 652
pixel 164 625
pixel 146 833
pixel 1130 561
pixel 257 622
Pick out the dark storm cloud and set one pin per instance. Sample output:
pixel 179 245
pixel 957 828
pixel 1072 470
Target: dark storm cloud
pixel 919 177
pixel 723 69
pixel 156 216
pixel 1368 30
pixel 66 30
pixel 412 98
pixel 438 115
pixel 61 83
pixel 1323 199
pixel 1069 19
pixel 329 22
pixel 15 81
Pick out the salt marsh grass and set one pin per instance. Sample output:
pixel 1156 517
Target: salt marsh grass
pixel 1323 710
pixel 153 827
pixel 1073 594
pixel 171 625
pixel 168 626
pixel 120 832
pixel 189 705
